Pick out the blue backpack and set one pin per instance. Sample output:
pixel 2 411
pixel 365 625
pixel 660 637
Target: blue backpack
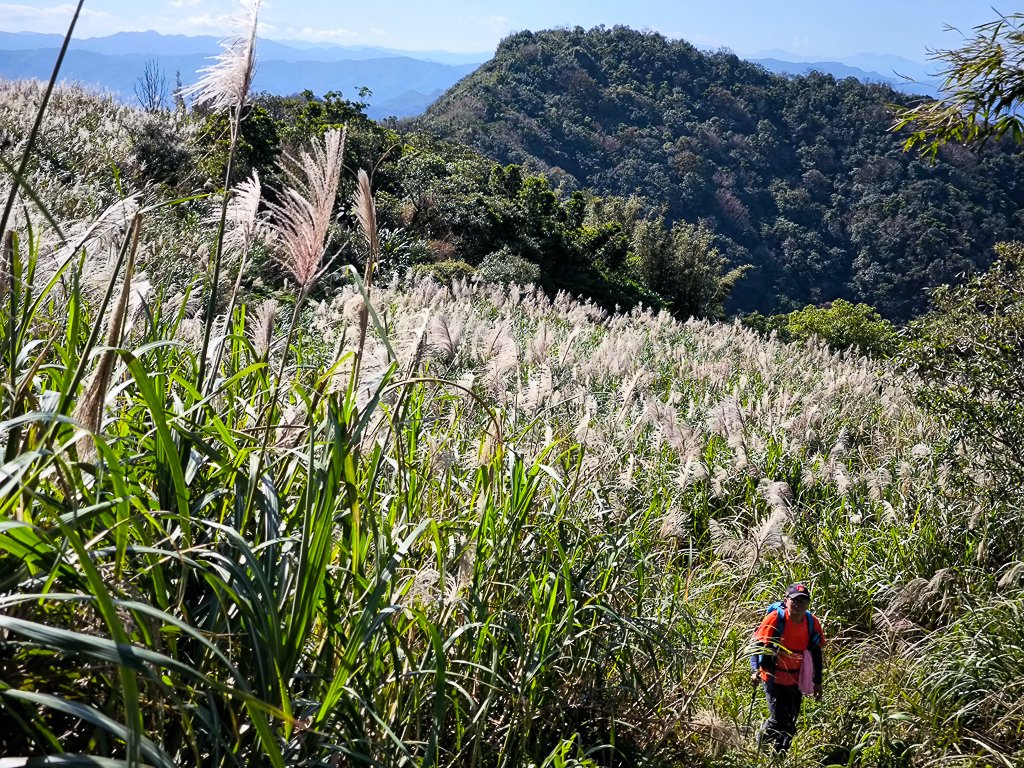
pixel 766 658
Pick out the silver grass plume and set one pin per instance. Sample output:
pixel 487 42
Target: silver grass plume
pixel 779 495
pixel 240 214
pixel 301 220
pixel 504 358
pixel 226 83
pixel 242 222
pixel 263 330
pixel 416 346
pixel 422 588
pixel 366 213
pixel 111 222
pixel 292 426
pixel 140 291
pixel 225 86
pixel 299 224
pixel 90 407
pixel 444 338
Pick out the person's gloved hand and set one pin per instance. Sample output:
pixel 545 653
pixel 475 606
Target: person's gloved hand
pixel 755 679
pixel 817 691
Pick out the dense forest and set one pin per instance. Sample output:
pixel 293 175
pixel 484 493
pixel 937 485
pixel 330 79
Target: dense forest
pixel 800 178
pixel 443 207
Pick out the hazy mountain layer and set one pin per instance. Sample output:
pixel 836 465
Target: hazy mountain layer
pixel 841 70
pixel 403 83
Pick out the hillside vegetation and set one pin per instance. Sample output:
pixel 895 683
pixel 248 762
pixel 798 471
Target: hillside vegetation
pixel 800 177
pixel 296 471
pixel 442 207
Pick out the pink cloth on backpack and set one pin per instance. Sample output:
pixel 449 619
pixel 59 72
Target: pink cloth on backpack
pixel 807 674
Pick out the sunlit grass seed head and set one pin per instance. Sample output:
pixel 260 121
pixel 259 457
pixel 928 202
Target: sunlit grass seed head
pixel 714 734
pixel 540 345
pixel 292 428
pixel 778 494
pixel 445 337
pixel 242 219
pixel 96 238
pixel 140 295
pixel 262 329
pixel 366 215
pixel 225 84
pixel 422 589
pixel 539 390
pixel 300 222
pixel 841 477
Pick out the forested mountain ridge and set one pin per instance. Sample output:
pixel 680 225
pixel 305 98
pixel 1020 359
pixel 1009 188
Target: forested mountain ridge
pixel 800 177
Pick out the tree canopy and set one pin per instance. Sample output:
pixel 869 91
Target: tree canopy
pixel 982 94
pixel 799 177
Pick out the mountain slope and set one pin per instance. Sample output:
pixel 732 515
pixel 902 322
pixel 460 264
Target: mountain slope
pixel 800 176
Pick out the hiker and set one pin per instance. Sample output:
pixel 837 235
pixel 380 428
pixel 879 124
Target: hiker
pixel 786 632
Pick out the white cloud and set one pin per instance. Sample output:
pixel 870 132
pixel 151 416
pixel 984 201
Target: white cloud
pixel 801 43
pixel 55 19
pixel 499 24
pixel 319 35
pixel 52 19
pixel 208 24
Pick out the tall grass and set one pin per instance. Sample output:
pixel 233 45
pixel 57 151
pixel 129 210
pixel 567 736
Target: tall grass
pixel 458 525
pixel 493 605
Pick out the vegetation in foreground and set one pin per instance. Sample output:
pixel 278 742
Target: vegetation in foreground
pixel 406 522
pixel 526 531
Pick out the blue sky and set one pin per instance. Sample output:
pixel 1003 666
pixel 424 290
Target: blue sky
pixel 813 28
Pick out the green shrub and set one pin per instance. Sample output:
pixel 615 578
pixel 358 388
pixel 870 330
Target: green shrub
pixel 161 150
pixel 446 271
pixel 966 359
pixel 841 325
pixel 504 266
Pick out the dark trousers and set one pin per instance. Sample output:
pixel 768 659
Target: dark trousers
pixel 783 709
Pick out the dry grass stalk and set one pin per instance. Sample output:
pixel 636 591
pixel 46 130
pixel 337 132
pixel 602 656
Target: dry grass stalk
pixel 263 330
pixel 90 407
pixel 366 213
pixel 7 267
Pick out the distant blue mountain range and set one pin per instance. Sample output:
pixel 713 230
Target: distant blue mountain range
pixel 901 73
pixel 403 83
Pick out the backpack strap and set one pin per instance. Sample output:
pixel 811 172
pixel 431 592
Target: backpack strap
pixel 766 656
pixel 813 635
pixel 780 622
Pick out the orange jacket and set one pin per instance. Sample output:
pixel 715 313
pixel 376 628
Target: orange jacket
pixel 788 649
